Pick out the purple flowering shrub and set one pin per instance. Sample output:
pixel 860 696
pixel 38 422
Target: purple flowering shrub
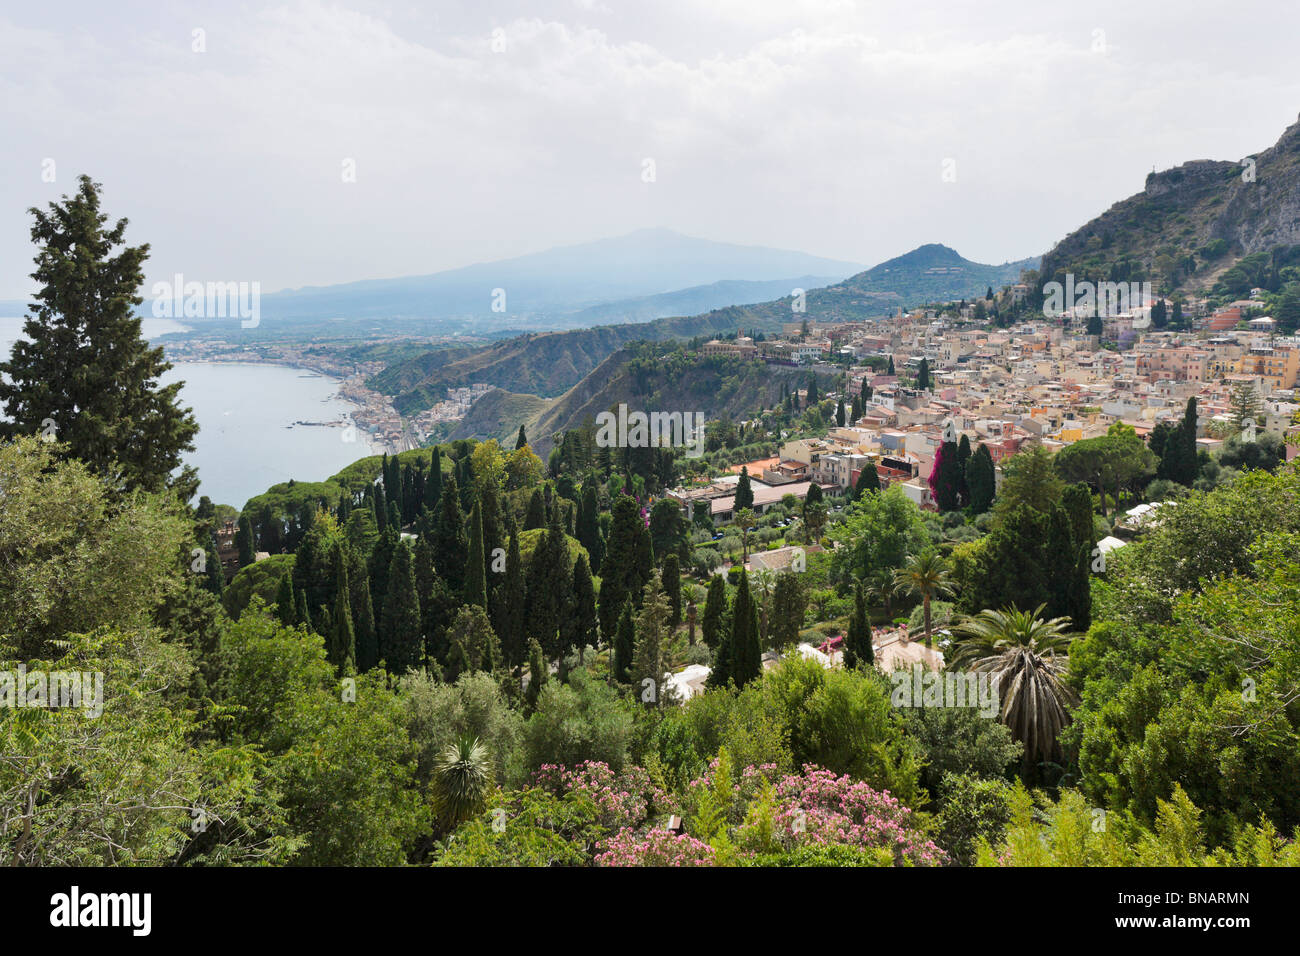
pixel 654 848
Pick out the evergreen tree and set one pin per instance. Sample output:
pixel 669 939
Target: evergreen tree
pixel 342 639
pixel 672 585
pixel 963 459
pixel 857 642
pixel 511 600
pixel 365 638
pixel 714 624
pixel 379 505
pixel 839 413
pixel 787 609
pixel 521 440
pixel 214 574
pixel 300 608
pixel 813 398
pixel 285 612
pixel 433 484
pixel 83 369
pixel 856 411
pixel 588 526
pixel 624 643
pixel 619 576
pixel 581 616
pixel 538 673
pixel 549 587
pixel 650 650
pixel 923 374
pixel 945 479
pixel 449 539
pixel 744 492
pixel 891 366
pixel 244 541
pixel 400 642
pixel 535 517
pixel 381 556
pixel 981 479
pixel 868 480
pixel 745 652
pixel 475 565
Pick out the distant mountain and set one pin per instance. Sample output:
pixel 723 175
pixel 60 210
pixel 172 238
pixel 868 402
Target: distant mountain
pixel 549 363
pixel 1192 223
pixel 546 289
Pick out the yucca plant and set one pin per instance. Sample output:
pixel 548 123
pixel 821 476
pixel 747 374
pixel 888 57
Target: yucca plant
pixel 462 779
pixel 1026 657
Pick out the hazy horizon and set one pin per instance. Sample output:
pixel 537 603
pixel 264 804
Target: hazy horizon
pixel 483 132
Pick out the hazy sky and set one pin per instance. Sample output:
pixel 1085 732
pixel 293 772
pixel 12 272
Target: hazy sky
pixel 483 129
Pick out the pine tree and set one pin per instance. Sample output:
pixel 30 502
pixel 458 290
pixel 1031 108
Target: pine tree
pixel 624 643
pixel 714 624
pixel 449 539
pixel 244 541
pixel 83 368
pixel 475 565
pixel 400 642
pixel 342 638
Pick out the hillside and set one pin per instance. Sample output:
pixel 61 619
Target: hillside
pixel 1190 223
pixel 647 379
pixel 498 414
pixel 549 363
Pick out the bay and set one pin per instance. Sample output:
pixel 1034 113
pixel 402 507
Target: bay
pixel 246 412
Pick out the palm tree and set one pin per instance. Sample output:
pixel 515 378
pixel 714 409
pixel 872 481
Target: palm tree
pixel 762 583
pixel 744 520
pixel 462 778
pixel 1020 650
pixel 927 575
pixel 695 596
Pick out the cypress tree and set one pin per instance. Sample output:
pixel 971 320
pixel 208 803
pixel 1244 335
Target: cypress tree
pixel 285 611
pixel 521 439
pixel 813 397
pixel 342 638
pixel 588 526
pixel 744 492
pixel 538 673
pixel 945 479
pixel 787 609
pixel 379 506
pixel 83 365
pixel 536 515
pixel 981 479
pixel 857 643
pixel 624 643
pixel 672 586
pixel 618 571
pixel 475 566
pixel 963 459
pixel 244 541
pixel 923 374
pixel 745 652
pixel 891 366
pixel 868 480
pixel 549 588
pixel 714 623
pixel 651 635
pixel 214 574
pixel 839 413
pixel 449 539
pixel 582 609
pixel 511 599
pixel 400 642
pixel 433 484
pixel 300 608
pixel 364 636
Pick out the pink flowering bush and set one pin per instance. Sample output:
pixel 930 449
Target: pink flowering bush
pixel 654 848
pixel 818 808
pixel 621 799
